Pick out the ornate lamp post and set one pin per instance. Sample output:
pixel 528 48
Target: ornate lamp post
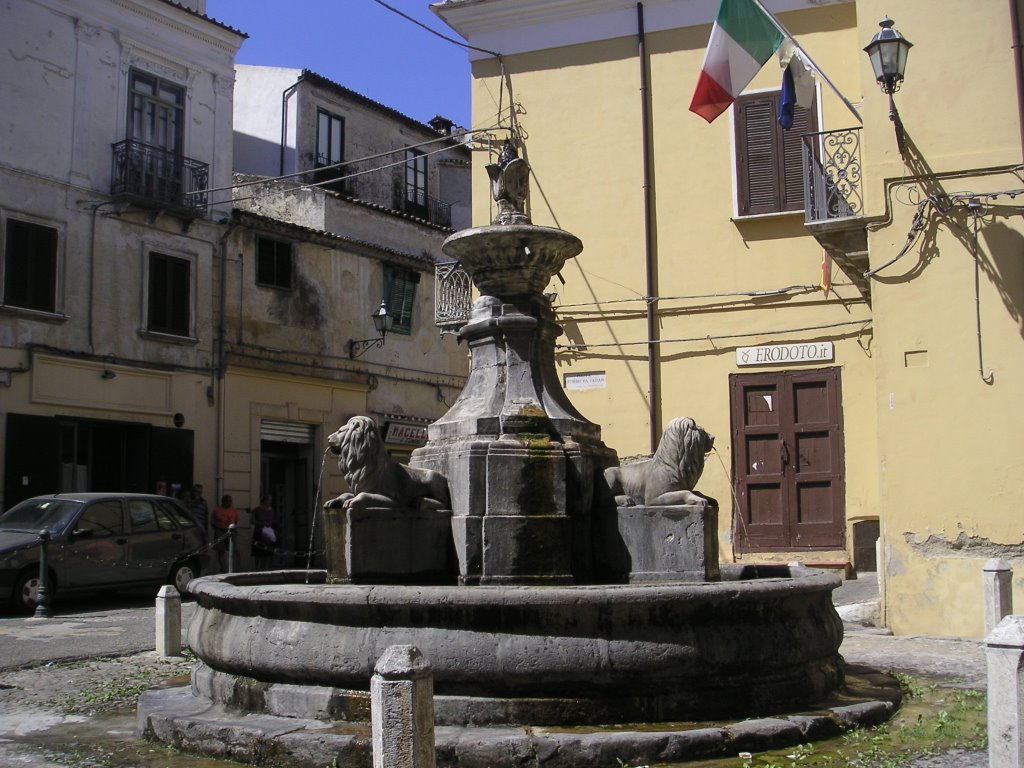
pixel 888 52
pixel 383 322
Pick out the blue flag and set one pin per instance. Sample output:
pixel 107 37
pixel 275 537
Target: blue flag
pixel 787 100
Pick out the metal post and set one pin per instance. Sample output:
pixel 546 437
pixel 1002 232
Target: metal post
pixel 43 593
pixel 232 531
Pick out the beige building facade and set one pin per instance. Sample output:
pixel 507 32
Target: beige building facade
pixel 845 406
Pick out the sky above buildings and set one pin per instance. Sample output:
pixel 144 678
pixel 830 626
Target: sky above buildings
pixel 361 45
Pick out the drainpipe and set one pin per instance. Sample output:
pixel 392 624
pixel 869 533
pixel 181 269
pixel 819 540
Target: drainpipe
pixel 652 347
pixel 285 95
pixel 1018 66
pixel 220 358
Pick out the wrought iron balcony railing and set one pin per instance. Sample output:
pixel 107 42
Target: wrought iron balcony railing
pixel 833 187
pixel 452 296
pixel 425 207
pixel 154 177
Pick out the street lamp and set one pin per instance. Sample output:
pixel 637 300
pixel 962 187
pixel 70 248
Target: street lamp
pixel 383 321
pixel 888 51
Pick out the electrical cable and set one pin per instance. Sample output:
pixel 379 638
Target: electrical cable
pixel 451 40
pixel 651 299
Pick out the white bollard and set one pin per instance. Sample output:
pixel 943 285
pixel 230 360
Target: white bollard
pixel 997 583
pixel 402 709
pixel 168 621
pixel 1004 652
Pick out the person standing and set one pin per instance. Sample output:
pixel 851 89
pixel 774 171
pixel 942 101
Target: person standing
pixel 222 517
pixel 264 534
pixel 198 507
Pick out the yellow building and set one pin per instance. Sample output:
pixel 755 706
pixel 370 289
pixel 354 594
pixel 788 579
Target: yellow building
pixel 876 401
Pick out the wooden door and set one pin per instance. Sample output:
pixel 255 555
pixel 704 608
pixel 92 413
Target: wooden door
pixel 787 446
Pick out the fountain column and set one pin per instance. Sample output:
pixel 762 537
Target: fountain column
pixel 521 461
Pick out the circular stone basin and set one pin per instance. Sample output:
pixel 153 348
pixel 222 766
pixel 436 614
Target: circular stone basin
pixel 528 655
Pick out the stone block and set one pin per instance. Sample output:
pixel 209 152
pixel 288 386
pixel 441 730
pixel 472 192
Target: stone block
pixel 390 545
pixel 997 586
pixel 168 621
pixel 659 543
pixel 518 549
pixel 402 710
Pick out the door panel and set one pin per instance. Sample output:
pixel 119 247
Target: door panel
pixel 788 460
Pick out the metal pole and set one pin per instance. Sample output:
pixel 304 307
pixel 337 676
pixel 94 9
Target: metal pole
pixel 232 529
pixel 43 592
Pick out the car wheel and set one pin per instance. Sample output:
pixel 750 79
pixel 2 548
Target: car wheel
pixel 26 590
pixel 182 574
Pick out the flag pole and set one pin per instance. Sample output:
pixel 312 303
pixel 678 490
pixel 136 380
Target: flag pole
pixel 817 70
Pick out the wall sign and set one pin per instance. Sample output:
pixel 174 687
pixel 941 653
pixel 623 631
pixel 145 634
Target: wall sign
pixel 780 354
pixel 406 434
pixel 585 380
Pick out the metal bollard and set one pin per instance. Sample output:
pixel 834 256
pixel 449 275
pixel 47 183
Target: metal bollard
pixel 1004 653
pixel 43 592
pixel 168 621
pixel 997 583
pixel 402 709
pixel 232 532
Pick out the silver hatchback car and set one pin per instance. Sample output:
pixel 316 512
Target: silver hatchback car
pixel 98 541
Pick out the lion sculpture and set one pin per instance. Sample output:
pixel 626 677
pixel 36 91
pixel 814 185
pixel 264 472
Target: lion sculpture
pixel 668 478
pixel 377 480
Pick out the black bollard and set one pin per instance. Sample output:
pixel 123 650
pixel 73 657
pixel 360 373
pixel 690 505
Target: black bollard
pixel 43 592
pixel 232 530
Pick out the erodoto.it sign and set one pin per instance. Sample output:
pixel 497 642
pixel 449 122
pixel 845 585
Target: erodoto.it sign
pixel 781 354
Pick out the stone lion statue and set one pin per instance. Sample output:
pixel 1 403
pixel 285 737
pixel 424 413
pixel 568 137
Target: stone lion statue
pixel 377 480
pixel 668 478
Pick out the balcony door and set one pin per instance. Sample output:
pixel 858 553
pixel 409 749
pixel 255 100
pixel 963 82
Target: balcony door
pixel 155 122
pixel 787 447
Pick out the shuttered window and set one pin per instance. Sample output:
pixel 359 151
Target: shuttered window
pixel 400 296
pixel 769 167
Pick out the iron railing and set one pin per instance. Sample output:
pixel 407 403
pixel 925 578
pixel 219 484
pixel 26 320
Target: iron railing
pixel 452 296
pixel 424 206
pixel 156 177
pixel 833 187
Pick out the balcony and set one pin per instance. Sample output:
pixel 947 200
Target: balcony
pixel 431 209
pixel 155 178
pixel 834 200
pixel 452 296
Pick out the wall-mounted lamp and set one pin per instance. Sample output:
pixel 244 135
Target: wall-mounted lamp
pixel 888 51
pixel 382 323
pixel 108 374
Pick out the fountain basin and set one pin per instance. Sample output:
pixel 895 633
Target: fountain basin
pixel 759 640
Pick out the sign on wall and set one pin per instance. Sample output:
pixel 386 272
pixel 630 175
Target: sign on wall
pixel 585 380
pixel 406 434
pixel 782 354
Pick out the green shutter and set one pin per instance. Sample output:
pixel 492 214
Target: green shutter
pixel 400 296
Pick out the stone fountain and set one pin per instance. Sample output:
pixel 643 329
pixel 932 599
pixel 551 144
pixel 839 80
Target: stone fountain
pixel 554 589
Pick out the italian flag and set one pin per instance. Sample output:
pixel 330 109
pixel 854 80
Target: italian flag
pixel 742 40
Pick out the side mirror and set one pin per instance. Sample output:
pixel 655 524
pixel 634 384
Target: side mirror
pixel 81 533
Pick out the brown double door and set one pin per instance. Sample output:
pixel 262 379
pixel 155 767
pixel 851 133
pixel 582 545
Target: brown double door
pixel 787 443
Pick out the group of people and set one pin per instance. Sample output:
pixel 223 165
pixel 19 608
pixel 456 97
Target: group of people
pixel 224 515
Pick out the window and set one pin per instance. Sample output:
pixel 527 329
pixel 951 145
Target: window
pixel 102 519
pixel 170 296
pixel 155 112
pixel 769 166
pixel 416 182
pixel 400 296
pixel 330 148
pixel 30 266
pixel 273 263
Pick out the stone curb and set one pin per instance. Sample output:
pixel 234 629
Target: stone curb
pixel 174 716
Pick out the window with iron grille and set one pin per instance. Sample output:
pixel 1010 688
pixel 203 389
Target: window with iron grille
pixel 30 266
pixel 330 148
pixel 769 165
pixel 400 296
pixel 170 295
pixel 416 183
pixel 273 263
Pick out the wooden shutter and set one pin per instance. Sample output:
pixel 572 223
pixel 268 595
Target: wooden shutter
pixel 400 296
pixel 769 165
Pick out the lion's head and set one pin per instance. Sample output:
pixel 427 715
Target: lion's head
pixel 360 450
pixel 684 444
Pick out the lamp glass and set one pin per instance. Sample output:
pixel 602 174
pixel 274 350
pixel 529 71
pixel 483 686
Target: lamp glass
pixel 382 320
pixel 888 52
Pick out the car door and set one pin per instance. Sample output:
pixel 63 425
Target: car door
pixel 95 549
pixel 151 546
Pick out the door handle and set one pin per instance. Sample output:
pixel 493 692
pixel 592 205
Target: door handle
pixel 783 453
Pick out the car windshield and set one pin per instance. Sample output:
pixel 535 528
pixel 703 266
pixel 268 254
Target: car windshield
pixel 35 514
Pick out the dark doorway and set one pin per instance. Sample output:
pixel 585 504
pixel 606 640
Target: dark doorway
pixel 285 475
pixel 787 445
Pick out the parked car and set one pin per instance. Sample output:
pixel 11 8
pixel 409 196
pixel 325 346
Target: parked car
pixel 99 541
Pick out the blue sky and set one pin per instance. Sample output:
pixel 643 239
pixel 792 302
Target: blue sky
pixel 361 45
